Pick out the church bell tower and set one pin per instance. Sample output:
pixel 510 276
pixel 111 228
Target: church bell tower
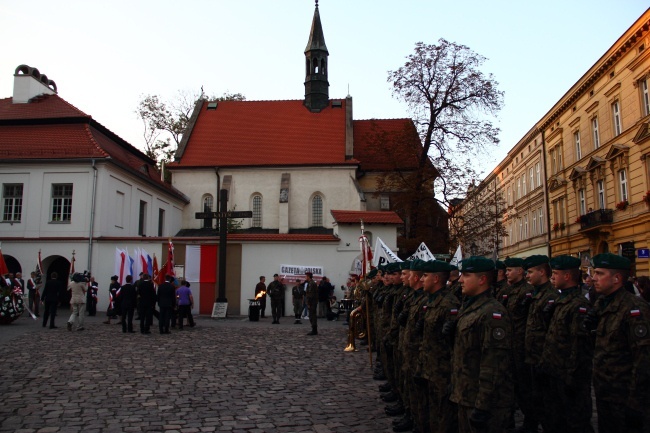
pixel 316 54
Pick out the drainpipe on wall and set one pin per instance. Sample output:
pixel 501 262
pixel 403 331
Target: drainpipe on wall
pixel 546 203
pixel 92 219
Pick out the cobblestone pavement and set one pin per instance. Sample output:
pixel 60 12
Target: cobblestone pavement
pixel 223 375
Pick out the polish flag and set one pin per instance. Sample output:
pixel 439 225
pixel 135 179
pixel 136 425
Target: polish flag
pixel 201 263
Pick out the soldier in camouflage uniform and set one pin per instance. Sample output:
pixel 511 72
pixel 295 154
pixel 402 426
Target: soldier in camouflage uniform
pixel 568 353
pixel 392 291
pixel 516 297
pixel 454 282
pixel 311 295
pixel 410 349
pixel 482 383
pixel 621 368
pixel 540 312
pixel 434 360
pixel 501 281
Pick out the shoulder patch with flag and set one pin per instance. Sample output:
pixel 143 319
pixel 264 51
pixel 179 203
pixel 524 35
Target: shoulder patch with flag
pixel 635 313
pixel 453 311
pixel 496 316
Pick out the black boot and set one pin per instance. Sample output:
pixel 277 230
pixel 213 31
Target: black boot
pixel 395 410
pixel 390 397
pixel 405 425
pixel 314 331
pixel 385 387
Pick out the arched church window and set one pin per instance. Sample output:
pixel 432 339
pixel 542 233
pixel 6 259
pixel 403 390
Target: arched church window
pixel 207 207
pixel 317 211
pixel 257 210
pixel 323 65
pixel 308 70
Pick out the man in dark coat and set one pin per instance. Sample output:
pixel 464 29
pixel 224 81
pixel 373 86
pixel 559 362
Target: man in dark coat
pixel 311 294
pixel 166 301
pixel 261 288
pixel 146 304
pixel 129 299
pixel 50 297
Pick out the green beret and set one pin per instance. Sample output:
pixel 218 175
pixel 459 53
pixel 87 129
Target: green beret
pixel 405 265
pixel 564 262
pixel 392 267
pixel 416 265
pixel 476 264
pixel 372 274
pixel 500 264
pixel 436 266
pixel 381 268
pixel 453 267
pixel 611 261
pixel 513 262
pixel 536 260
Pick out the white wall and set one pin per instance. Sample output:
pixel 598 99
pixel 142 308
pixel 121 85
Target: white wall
pixel 334 183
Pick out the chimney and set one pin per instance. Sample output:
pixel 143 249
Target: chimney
pixel 30 83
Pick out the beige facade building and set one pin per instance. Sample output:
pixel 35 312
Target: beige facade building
pixel 597 142
pixel 579 181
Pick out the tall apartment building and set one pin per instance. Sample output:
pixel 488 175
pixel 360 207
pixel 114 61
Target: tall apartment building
pixel 597 142
pixel 579 181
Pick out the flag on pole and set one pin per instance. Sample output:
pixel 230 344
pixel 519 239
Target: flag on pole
pixel 383 254
pixel 170 259
pixel 154 270
pixel 3 265
pixel 458 256
pixel 422 253
pixel 366 261
pixel 121 265
pixel 72 265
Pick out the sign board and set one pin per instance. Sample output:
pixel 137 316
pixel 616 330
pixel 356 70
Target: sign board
pixel 628 251
pixel 219 310
pixel 442 256
pixel 643 253
pixel 229 214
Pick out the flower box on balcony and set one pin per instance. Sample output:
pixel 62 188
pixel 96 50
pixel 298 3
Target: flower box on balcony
pixel 622 205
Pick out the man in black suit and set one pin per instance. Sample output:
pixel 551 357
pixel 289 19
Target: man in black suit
pixel 146 303
pixel 129 300
pixel 50 297
pixel 166 302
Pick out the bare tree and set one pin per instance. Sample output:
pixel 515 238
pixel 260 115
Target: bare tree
pixel 169 120
pixel 451 102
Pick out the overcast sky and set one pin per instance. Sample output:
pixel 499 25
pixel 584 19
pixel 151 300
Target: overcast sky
pixel 104 56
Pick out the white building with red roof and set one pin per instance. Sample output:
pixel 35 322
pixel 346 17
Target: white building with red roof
pixel 69 184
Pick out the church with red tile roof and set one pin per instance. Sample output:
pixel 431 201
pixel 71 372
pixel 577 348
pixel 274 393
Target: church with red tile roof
pixel 304 168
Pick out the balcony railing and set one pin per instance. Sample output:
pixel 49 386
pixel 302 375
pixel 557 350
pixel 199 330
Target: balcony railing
pixel 596 218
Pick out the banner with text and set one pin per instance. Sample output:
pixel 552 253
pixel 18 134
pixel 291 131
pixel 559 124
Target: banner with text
pixel 292 273
pixel 422 253
pixel 383 254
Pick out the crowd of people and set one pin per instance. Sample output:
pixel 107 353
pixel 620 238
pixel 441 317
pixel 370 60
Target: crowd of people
pixel 461 349
pixel 173 298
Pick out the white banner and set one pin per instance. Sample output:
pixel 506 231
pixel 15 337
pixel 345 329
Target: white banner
pixel 422 253
pixel 383 254
pixel 458 256
pixel 299 270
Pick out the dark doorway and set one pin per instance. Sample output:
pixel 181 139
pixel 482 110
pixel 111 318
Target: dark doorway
pixel 12 264
pixel 61 266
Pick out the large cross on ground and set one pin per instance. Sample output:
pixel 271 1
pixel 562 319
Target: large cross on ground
pixel 221 303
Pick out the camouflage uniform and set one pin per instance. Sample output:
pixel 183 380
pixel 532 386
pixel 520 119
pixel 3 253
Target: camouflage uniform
pixel 410 343
pixel 517 298
pixel 566 362
pixel 434 360
pixel 482 362
pixel 621 368
pixel 536 327
pixel 311 295
pixel 387 346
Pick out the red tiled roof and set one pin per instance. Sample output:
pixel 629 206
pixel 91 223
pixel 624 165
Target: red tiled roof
pixel 386 144
pixel 263 133
pixel 27 133
pixel 42 107
pixel 354 217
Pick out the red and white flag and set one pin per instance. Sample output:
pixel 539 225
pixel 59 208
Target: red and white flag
pixel 170 259
pixel 3 265
pixel 201 263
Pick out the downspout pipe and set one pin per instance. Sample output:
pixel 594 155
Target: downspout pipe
pixel 546 198
pixel 91 232
pixel 216 208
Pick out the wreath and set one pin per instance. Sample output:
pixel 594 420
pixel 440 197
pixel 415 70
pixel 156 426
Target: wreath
pixel 11 304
